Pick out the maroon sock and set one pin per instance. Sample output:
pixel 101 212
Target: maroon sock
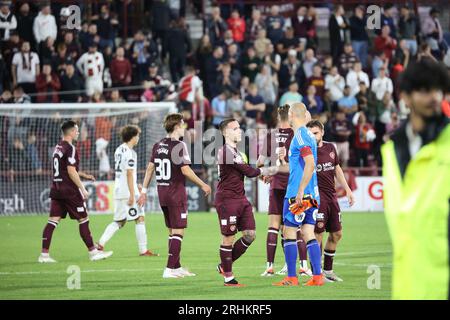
pixel 85 234
pixel 271 244
pixel 173 260
pixel 239 248
pixel 47 235
pixel 226 259
pixel 328 259
pixel 301 245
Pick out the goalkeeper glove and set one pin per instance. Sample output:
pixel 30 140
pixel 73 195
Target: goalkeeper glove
pixel 307 202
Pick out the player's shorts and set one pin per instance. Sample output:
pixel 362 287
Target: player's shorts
pixel 175 216
pixel 297 220
pixel 75 207
pixel 329 216
pixel 276 201
pixel 235 215
pixel 122 211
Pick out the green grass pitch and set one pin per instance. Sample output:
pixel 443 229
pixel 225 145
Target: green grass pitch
pixel 127 276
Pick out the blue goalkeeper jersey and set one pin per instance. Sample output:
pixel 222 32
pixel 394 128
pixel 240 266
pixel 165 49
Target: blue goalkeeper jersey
pixel 302 144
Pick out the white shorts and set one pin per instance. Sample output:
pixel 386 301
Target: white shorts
pixel 123 211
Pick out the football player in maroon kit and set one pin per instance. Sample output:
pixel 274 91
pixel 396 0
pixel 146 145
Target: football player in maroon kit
pixel 68 194
pixel 234 210
pixel 277 141
pixel 329 215
pixel 171 163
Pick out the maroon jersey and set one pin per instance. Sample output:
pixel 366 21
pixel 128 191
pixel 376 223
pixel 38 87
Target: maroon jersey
pixel 63 187
pixel 232 170
pixel 275 139
pixel 327 160
pixel 169 156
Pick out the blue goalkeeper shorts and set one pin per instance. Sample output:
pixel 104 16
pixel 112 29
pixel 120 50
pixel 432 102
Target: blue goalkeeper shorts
pixel 297 220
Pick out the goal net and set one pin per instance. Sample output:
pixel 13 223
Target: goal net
pixel 29 133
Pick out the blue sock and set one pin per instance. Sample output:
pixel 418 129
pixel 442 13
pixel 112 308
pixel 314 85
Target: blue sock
pixel 314 256
pixel 290 252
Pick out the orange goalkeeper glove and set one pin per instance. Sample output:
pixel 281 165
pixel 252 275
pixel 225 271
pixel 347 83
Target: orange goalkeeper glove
pixel 307 202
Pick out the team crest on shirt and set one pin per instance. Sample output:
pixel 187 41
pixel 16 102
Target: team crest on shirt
pixel 132 212
pixel 332 155
pixel 131 163
pixel 320 225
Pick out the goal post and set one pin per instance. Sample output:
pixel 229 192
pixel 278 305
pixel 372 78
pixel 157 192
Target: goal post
pixel 29 133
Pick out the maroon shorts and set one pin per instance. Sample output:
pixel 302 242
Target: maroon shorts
pixel 235 215
pixel 175 216
pixel 329 216
pixel 76 207
pixel 276 201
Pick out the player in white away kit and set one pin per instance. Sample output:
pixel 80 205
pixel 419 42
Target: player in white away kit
pixel 126 192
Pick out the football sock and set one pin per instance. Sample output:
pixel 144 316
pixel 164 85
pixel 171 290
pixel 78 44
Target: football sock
pixel 302 252
pixel 141 236
pixel 47 235
pixel 110 230
pixel 290 253
pixel 174 251
pixel 328 259
pixel 239 248
pixel 85 234
pixel 226 260
pixel 314 256
pixel 271 244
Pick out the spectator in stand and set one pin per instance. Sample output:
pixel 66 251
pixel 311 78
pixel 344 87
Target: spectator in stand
pixel 25 24
pixel 254 25
pixel 115 97
pixel 25 67
pixel 300 24
pixel 203 52
pixel 190 88
pixel 409 29
pixel 327 64
pixel 261 42
pixel 382 84
pixel 18 158
pixel 309 62
pixel 337 26
pixel 73 47
pixel 160 22
pixel 425 52
pixel 70 81
pixel 291 71
pixel 90 36
pixel 62 59
pixel 254 104
pixel 358 34
pixel 292 95
pixel 355 76
pixel 178 44
pixel 47 85
pixel 267 88
pixel 365 100
pixel 212 67
pixel 272 59
pixel 47 49
pixel 313 102
pixel 384 42
pixel 33 153
pixel 140 55
pixel 227 39
pixel 387 19
pixel 403 53
pixel 106 25
pixel 379 61
pixel 250 64
pixel 44 25
pixel 233 58
pixel 235 102
pixel 120 69
pixel 317 80
pixel 91 65
pixel 219 108
pixel 335 83
pixel 20 97
pixel 227 81
pixel 237 26
pixel 275 24
pixel 3 72
pixel 244 87
pixel 364 135
pixel 6 97
pixel 432 31
pixel 341 131
pixel 312 40
pixel 347 60
pixel 348 103
pixel 215 26
pixel 8 21
pixel 289 42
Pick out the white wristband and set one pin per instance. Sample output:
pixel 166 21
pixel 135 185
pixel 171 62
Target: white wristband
pixel 144 190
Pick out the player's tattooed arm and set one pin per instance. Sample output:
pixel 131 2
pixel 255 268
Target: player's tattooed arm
pixel 148 177
pixel 341 179
pixel 86 176
pixel 188 173
pixel 75 177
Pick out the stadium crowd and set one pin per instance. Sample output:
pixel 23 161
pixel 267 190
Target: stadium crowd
pixel 242 67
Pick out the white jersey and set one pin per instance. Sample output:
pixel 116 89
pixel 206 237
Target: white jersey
pixel 124 159
pixel 91 65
